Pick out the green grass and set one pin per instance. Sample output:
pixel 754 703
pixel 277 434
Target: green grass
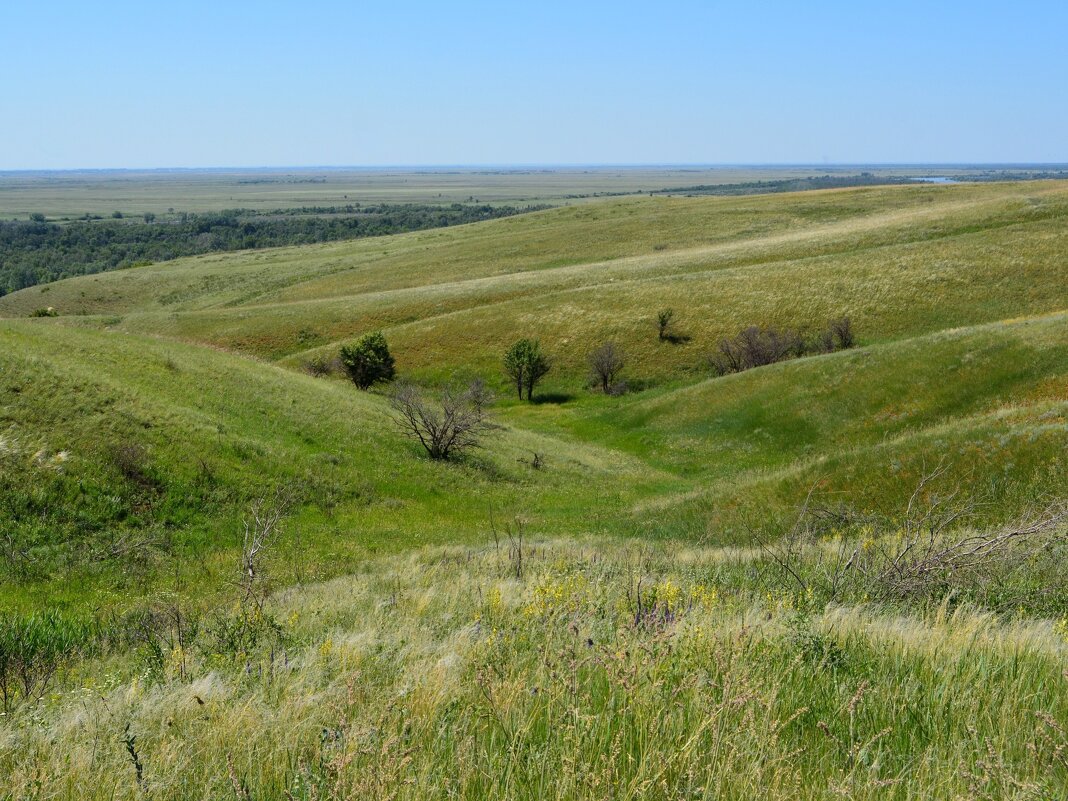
pixel 690 457
pixel 697 461
pixel 138 426
pixel 217 432
pixel 901 261
pixel 441 674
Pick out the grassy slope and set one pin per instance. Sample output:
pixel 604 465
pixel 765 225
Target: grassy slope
pixel 438 669
pixel 697 462
pixel 992 399
pixel 902 261
pixel 699 459
pixel 439 674
pixel 218 431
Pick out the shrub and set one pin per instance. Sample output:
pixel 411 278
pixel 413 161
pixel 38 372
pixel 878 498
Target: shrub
pixel 664 319
pixel 369 361
pixel 132 461
pixel 48 312
pixel 526 365
pixel 605 365
pixel 836 335
pixel 32 649
pixel 755 346
pixel 320 366
pixel 842 333
pixel 449 431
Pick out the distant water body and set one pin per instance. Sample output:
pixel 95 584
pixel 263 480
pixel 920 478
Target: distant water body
pixel 935 179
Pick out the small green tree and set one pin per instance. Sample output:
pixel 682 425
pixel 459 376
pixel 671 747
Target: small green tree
pixel 515 364
pixel 526 365
pixel 368 361
pixel 664 319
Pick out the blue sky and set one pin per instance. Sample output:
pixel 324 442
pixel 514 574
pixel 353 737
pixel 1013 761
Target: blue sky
pixel 184 84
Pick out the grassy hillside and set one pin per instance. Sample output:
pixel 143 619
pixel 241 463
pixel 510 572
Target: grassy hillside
pixel 109 437
pixel 443 673
pixel 992 400
pixel 650 591
pixel 700 455
pixel 901 261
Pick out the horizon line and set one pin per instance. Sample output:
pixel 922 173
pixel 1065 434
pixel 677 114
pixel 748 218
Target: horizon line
pixel 550 166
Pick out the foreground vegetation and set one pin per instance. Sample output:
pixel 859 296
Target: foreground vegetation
pixel 562 670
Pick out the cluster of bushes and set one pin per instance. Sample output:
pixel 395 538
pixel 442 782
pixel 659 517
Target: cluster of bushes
pixel 457 423
pixel 756 346
pixel 35 251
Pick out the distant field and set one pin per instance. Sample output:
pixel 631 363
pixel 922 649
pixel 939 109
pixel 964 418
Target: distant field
pixel 72 194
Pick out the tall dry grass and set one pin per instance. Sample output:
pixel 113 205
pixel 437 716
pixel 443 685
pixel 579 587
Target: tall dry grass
pixel 604 670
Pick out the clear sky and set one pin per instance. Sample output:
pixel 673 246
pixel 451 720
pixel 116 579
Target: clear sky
pixel 319 82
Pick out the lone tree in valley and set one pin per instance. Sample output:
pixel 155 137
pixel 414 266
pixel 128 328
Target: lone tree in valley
pixel 526 365
pixel 368 361
pixel 664 319
pixel 450 430
pixel 605 365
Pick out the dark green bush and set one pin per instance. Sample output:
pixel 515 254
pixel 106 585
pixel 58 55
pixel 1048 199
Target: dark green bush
pixel 368 361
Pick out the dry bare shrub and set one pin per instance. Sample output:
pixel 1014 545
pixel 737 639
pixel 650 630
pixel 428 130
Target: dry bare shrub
pixel 132 461
pixel 33 649
pixel 924 553
pixel 446 430
pixel 261 528
pixel 606 363
pixel 842 332
pixel 755 347
pixel 836 335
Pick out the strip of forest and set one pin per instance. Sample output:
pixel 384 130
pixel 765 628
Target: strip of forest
pixel 37 251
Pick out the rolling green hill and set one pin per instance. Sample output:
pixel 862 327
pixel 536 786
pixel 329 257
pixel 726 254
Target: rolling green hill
pixel 700 587
pixel 110 437
pixel 901 261
pixel 956 293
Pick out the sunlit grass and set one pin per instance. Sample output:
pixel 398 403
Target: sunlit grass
pixel 442 673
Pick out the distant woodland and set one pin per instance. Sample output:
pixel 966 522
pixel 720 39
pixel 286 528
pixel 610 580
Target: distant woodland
pixel 38 251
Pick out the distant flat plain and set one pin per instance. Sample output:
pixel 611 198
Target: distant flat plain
pixel 62 194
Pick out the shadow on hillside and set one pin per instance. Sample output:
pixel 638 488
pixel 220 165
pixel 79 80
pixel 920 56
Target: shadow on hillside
pixel 553 397
pixel 677 339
